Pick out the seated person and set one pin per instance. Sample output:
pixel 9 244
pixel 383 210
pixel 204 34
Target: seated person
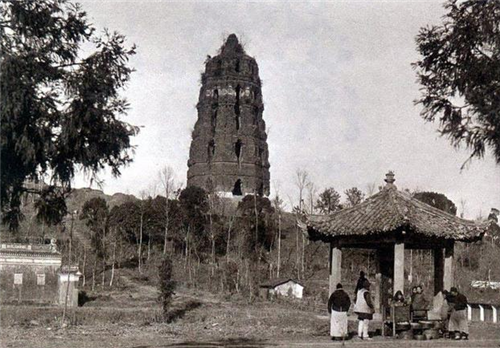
pixel 398 300
pixel 419 304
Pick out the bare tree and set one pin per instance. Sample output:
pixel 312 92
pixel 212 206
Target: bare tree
pixel 143 196
pixel 167 181
pixel 114 236
pixel 278 206
pixel 463 204
pixel 301 182
pixel 312 191
pixel 212 199
pixel 371 188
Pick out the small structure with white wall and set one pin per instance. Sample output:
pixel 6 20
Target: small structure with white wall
pixel 32 274
pixel 282 287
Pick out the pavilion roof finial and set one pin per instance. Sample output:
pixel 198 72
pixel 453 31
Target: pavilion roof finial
pixel 389 179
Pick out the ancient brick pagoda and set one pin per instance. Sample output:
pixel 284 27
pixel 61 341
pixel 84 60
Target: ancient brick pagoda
pixel 229 153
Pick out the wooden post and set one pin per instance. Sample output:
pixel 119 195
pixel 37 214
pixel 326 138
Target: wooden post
pixel 399 267
pixel 335 266
pixel 437 302
pixel 448 266
pixel 378 285
pixel 438 271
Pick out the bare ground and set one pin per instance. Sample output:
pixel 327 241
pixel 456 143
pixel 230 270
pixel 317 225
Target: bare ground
pixel 129 317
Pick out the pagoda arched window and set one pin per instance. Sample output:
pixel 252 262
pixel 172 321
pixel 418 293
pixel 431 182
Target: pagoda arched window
pixel 238 149
pixel 237 191
pixel 237 108
pixel 211 150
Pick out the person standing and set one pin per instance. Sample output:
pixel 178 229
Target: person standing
pixel 458 324
pixel 338 305
pixel 364 309
pixel 446 312
pixel 361 280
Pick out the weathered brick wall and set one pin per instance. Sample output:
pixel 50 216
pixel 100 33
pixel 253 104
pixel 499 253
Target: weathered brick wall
pixel 229 139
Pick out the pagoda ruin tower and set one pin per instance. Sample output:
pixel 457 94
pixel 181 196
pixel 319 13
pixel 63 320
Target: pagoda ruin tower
pixel 229 153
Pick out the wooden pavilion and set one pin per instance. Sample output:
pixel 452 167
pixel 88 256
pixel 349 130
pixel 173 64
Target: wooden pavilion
pixel 390 222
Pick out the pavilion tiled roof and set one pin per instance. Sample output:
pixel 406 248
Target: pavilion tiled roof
pixel 388 211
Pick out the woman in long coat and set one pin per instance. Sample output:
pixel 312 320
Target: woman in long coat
pixel 338 305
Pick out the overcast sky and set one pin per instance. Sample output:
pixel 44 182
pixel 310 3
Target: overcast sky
pixel 338 90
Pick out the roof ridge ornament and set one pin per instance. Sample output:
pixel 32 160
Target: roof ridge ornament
pixel 389 179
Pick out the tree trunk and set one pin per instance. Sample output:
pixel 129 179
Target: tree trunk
pixel 103 281
pixel 93 273
pixel 229 237
pixel 297 262
pixel 167 218
pixel 113 266
pixel 279 246
pixel 303 255
pixel 103 273
pixel 149 249
pixel 84 266
pixel 118 263
pixel 69 271
pixel 212 237
pixel 187 247
pixel 256 221
pixel 139 252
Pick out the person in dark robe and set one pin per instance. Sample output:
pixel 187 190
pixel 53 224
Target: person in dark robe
pixel 338 305
pixel 458 325
pixel 419 304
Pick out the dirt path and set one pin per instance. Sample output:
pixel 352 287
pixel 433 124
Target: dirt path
pixel 147 338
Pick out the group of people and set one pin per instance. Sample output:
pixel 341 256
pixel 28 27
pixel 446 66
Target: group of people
pixel 417 301
pixel 339 303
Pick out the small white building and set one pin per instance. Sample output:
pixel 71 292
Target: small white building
pixel 32 274
pixel 282 287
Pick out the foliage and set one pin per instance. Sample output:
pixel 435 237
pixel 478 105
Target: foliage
pixel 59 111
pixel 166 284
pixel 96 213
pixel 194 207
pixel 125 218
pixel 328 201
pixel 437 200
pixel 460 74
pixel 50 206
pixel 257 222
pixel 354 196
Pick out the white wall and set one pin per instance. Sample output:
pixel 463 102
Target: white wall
pixel 287 289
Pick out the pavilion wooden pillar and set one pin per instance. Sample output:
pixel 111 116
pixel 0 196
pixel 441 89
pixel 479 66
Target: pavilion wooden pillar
pixel 377 302
pixel 335 261
pixel 448 266
pixel 399 267
pixel 438 271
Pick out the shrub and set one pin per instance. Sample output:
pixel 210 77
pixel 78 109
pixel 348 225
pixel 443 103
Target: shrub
pixel 166 284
